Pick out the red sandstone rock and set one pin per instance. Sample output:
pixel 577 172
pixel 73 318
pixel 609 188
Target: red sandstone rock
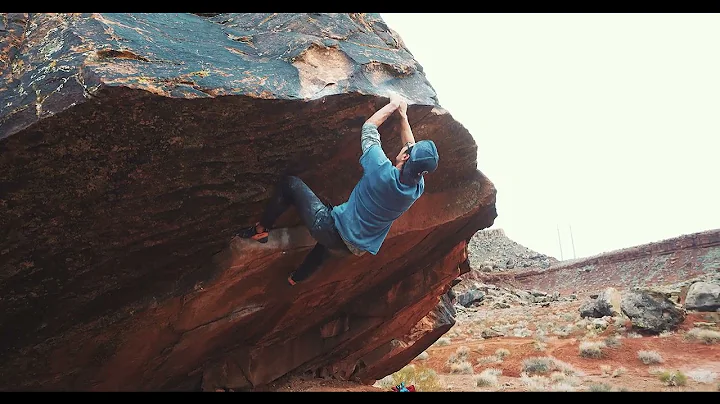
pixel 132 146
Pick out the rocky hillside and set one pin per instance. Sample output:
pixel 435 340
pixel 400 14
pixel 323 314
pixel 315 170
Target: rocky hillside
pixel 663 262
pixel 491 250
pixel 133 146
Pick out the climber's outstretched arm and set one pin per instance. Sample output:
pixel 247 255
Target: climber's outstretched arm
pixel 369 134
pixel 383 113
pixel 406 134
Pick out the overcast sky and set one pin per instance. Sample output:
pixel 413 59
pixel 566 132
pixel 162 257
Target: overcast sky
pixel 605 123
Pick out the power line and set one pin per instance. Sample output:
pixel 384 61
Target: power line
pixel 560 242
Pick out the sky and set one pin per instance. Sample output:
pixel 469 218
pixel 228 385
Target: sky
pixel 599 131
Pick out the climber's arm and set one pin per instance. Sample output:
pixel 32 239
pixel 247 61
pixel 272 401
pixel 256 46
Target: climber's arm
pixel 383 113
pixel 369 134
pixel 406 134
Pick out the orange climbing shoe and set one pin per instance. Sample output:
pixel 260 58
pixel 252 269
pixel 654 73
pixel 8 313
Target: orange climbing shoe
pixel 290 279
pixel 252 233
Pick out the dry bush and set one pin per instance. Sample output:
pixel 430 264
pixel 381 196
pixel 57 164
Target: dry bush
pixel 599 387
pixel 462 368
pixel 650 357
pixel 612 341
pixel 443 341
pixel 704 335
pixel 591 349
pixel 502 353
pixel 618 372
pixel 676 378
pixel 460 355
pixel 489 360
pixel 488 377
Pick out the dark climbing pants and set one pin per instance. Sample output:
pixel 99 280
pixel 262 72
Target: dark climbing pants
pixel 315 215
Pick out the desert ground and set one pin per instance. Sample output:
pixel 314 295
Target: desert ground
pixel 512 337
pixel 553 349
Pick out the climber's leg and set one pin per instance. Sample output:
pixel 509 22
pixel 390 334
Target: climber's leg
pixel 290 191
pixel 329 243
pixel 310 264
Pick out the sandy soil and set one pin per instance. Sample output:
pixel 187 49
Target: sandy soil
pixel 556 332
pixel 691 357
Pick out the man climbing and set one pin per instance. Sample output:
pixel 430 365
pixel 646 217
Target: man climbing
pixel 361 224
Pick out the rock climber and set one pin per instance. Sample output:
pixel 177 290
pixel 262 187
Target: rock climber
pixel 361 224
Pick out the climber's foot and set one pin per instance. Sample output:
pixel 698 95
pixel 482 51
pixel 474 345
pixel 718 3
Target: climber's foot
pixel 290 279
pixel 252 233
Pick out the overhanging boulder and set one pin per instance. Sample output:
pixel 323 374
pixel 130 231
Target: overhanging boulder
pixel 132 146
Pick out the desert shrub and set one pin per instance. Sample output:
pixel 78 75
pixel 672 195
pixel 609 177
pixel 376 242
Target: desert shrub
pixel 462 368
pixel 442 341
pixel 612 341
pixel 488 377
pixel 650 357
pixel 489 360
pixel 538 365
pixel 676 378
pixel 590 349
pixel 704 335
pixel 605 370
pixel 562 378
pixel 502 353
pixel 599 387
pixel 423 378
pixel 562 386
pixel 460 355
pixel 618 372
pixel 534 383
pixel 423 356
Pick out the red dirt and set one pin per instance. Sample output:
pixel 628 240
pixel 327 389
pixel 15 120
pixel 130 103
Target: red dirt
pixel 678 353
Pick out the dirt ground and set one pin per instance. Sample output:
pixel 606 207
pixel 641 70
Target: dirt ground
pixel 693 358
pixel 555 332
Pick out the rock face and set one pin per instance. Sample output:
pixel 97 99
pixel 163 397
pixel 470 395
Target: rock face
pixel 703 296
pixel 132 146
pixel 651 311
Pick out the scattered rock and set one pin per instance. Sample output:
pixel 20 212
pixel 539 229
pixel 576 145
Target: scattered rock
pixel 491 333
pixel 651 311
pixel 703 296
pixel 607 303
pixel 470 297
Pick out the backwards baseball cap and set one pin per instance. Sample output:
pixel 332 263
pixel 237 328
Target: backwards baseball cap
pixel 423 159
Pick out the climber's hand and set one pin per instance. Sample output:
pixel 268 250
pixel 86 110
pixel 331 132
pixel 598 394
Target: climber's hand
pixel 402 108
pixel 395 100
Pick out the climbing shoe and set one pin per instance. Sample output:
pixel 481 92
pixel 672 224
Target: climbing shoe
pixel 290 279
pixel 252 233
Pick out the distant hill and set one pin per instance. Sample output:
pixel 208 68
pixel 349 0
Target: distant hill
pixel 491 250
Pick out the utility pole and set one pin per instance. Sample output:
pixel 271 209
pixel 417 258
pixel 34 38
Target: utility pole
pixel 560 242
pixel 572 241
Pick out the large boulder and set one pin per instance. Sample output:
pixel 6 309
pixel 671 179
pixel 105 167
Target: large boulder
pixel 132 146
pixel 651 312
pixel 703 296
pixel 470 297
pixel 607 303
